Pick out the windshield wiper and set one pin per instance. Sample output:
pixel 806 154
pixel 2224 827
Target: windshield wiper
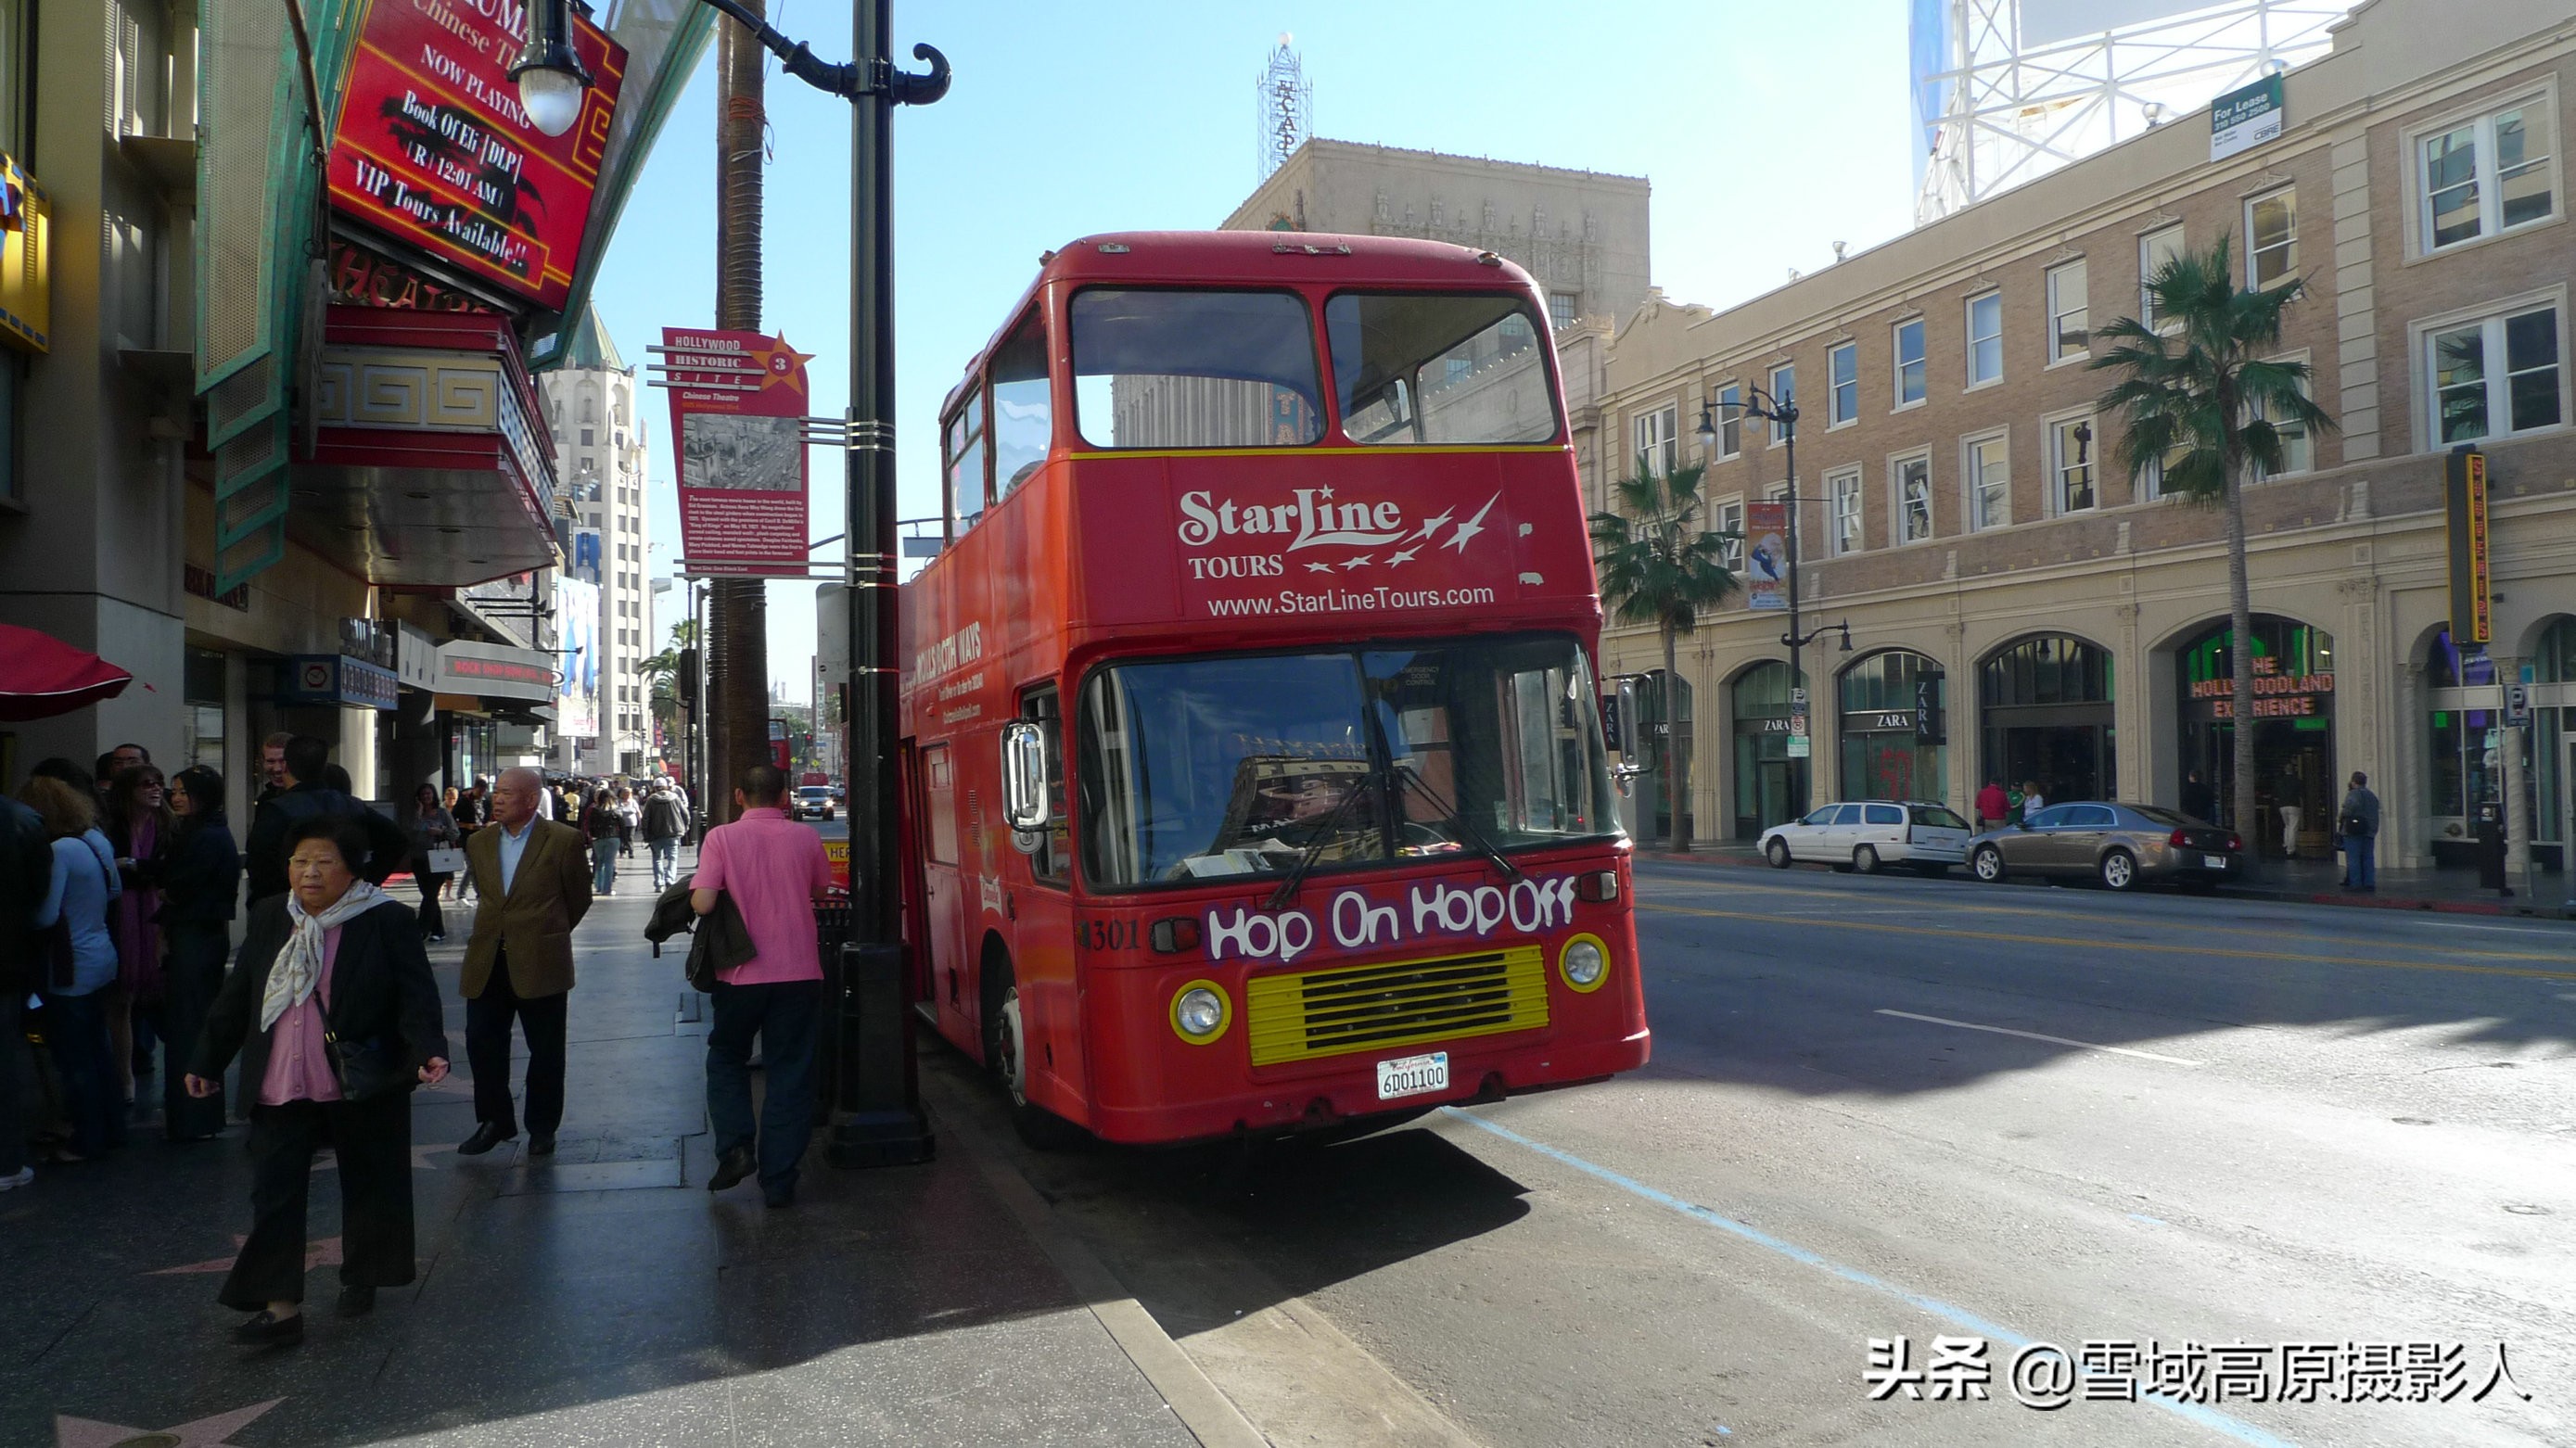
pixel 1330 830
pixel 1454 816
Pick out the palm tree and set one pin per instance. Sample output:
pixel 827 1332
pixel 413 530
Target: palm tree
pixel 662 670
pixel 1659 566
pixel 2202 402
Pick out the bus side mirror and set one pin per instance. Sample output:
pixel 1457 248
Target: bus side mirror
pixel 1024 791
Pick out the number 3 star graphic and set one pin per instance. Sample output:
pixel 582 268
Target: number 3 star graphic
pixel 203 1433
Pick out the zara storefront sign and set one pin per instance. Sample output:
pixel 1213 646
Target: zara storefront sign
pixel 2243 119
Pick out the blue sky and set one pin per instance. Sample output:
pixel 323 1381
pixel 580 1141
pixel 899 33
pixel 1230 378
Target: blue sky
pixel 1769 131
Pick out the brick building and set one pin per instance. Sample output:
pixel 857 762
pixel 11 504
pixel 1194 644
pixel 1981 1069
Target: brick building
pixel 1958 507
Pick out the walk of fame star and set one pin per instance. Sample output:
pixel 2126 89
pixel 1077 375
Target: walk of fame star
pixel 325 1253
pixel 203 1433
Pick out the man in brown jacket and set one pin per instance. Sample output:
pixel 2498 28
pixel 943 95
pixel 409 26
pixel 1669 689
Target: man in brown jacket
pixel 532 886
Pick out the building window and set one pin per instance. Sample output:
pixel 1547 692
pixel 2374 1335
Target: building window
pixel 1784 391
pixel 2272 239
pixel 2151 483
pixel 2496 376
pixel 1909 362
pixel 1842 370
pixel 1560 310
pixel 2154 250
pixel 1730 420
pixel 2487 176
pixel 1985 339
pixel 2070 447
pixel 1842 504
pixel 1730 522
pixel 1914 498
pixel 2067 317
pixel 2298 452
pixel 586 435
pixel 1655 440
pixel 1989 482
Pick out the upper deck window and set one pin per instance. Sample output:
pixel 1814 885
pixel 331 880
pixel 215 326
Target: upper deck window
pixel 1023 409
pixel 1173 369
pixel 1439 367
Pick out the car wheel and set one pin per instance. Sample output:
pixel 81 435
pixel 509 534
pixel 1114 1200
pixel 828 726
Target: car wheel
pixel 1988 862
pixel 1865 859
pixel 1777 852
pixel 2119 870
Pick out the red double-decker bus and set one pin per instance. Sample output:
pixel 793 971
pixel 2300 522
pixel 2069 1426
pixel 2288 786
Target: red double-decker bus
pixel 1251 741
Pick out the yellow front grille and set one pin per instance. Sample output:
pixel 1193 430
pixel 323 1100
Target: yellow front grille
pixel 1371 1007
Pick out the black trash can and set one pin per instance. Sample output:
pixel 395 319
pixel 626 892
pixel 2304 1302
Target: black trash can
pixel 831 933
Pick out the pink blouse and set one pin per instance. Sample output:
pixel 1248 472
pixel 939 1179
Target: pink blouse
pixel 299 1069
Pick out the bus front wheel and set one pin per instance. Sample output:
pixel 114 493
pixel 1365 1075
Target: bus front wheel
pixel 1006 1053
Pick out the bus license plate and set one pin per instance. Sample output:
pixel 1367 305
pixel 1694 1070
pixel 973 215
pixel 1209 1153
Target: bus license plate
pixel 1412 1075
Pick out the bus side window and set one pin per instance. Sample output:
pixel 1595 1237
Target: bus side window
pixel 1053 860
pixel 962 452
pixel 939 802
pixel 1023 408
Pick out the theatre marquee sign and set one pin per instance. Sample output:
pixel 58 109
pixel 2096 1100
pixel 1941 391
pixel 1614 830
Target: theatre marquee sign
pixel 2276 695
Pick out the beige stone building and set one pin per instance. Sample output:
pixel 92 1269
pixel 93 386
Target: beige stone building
pixel 1958 507
pixel 1582 234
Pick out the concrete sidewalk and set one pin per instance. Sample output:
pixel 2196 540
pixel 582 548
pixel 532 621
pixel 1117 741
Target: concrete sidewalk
pixel 2305 882
pixel 604 1297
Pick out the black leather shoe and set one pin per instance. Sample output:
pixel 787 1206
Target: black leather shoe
pixel 357 1301
pixel 732 1167
pixel 541 1143
pixel 486 1136
pixel 270 1330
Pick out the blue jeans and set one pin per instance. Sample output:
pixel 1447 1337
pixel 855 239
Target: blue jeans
pixel 784 1015
pixel 76 1031
pixel 2360 865
pixel 666 862
pixel 603 864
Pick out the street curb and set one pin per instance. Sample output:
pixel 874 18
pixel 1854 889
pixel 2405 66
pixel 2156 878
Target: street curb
pixel 2534 910
pixel 1203 1408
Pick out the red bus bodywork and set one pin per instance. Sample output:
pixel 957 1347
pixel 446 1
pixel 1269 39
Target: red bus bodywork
pixel 1105 556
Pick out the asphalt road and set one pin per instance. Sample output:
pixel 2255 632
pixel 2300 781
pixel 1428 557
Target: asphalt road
pixel 1889 1106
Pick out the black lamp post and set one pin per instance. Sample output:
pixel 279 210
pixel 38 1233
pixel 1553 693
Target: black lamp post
pixel 880 1120
pixel 1784 412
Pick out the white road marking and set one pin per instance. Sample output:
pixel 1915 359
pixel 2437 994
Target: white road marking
pixel 2036 1036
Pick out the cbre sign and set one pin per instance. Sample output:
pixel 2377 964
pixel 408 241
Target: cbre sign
pixel 2243 119
pixel 432 148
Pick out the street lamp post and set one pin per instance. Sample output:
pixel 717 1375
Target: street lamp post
pixel 880 1120
pixel 1783 411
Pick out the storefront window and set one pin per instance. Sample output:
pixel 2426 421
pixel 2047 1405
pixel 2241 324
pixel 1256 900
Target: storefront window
pixel 2047 717
pixel 201 717
pixel 2463 735
pixel 1668 753
pixel 1769 785
pixel 1883 754
pixel 2553 734
pixel 2295 786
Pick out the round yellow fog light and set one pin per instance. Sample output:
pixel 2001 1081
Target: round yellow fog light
pixel 1585 962
pixel 1200 1012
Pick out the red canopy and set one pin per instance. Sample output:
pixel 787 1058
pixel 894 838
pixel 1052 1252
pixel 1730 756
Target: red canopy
pixel 41 676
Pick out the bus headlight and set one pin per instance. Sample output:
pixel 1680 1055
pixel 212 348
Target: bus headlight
pixel 1200 1012
pixel 1584 963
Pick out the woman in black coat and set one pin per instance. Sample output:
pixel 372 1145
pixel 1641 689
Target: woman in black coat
pixel 198 872
pixel 331 1008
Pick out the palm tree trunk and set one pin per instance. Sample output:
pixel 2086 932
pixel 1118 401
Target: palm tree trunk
pixel 2240 660
pixel 737 609
pixel 1676 760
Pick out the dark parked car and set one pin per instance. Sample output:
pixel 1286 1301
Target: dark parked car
pixel 2120 845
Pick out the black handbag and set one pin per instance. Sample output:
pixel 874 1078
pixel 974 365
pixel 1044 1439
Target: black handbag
pixel 364 1069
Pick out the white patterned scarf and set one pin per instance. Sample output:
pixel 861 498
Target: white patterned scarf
pixel 299 965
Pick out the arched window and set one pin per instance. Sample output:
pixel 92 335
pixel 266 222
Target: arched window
pixel 1769 784
pixel 2045 703
pixel 1886 753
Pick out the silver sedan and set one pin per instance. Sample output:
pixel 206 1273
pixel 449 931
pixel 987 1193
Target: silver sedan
pixel 2121 845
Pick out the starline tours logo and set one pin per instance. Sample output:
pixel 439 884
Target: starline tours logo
pixel 1316 520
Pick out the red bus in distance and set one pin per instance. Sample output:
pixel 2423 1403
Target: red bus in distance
pixel 1250 731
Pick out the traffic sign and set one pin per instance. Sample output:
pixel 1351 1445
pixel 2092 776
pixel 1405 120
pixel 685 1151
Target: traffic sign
pixel 1798 746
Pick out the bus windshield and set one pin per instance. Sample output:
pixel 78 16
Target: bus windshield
pixel 1196 769
pixel 1438 367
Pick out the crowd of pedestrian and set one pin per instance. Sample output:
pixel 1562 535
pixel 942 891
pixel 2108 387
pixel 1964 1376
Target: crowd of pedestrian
pixel 119 885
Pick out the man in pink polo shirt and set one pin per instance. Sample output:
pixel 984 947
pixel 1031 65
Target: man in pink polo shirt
pixel 774 869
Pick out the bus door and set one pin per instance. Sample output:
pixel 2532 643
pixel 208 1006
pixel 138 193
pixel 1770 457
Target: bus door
pixel 944 903
pixel 1040 903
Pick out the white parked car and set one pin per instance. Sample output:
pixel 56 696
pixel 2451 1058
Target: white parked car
pixel 1866 834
